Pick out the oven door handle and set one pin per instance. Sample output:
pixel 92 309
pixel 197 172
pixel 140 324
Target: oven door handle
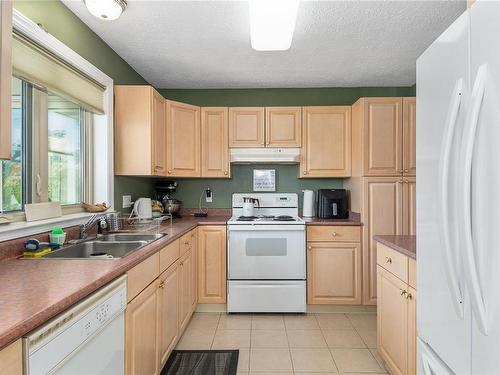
pixel 265 227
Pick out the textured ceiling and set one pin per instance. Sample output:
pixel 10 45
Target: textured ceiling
pixel 206 44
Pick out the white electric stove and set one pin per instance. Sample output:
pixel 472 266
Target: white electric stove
pixel 267 255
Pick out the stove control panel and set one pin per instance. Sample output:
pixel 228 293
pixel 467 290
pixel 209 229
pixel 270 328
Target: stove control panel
pixel 270 200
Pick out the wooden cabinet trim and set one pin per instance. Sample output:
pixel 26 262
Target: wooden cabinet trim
pixel 287 134
pixel 169 254
pixel 333 233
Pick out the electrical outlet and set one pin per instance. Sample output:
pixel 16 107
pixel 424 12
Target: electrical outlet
pixel 127 201
pixel 208 195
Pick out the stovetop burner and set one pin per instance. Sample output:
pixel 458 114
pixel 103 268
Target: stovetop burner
pixel 283 218
pixel 247 218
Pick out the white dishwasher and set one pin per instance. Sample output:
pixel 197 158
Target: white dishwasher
pixel 88 338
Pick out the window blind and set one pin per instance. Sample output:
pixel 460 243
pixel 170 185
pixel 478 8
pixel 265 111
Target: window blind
pixel 36 65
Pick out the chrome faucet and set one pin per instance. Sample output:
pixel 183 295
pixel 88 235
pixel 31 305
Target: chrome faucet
pixel 94 220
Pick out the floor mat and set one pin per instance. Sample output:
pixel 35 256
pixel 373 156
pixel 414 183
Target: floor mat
pixel 201 362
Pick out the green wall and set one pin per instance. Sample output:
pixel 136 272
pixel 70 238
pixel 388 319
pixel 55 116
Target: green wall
pixel 190 189
pixel 65 26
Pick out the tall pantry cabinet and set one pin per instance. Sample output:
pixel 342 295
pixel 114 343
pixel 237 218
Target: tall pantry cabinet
pixel 382 185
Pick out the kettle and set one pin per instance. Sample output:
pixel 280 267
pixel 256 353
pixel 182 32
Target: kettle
pixel 142 208
pixel 249 205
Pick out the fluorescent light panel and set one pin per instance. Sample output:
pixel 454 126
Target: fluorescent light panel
pixel 272 23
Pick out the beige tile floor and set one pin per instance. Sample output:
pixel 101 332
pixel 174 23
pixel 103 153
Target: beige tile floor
pixel 290 344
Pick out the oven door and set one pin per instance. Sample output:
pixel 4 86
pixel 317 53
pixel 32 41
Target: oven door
pixel 267 252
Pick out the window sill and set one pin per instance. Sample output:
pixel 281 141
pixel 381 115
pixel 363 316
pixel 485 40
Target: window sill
pixel 23 228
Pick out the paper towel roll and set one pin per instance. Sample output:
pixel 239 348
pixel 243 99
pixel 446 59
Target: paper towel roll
pixel 308 204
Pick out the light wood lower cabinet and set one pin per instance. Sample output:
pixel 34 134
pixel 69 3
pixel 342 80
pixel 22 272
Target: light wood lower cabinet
pixel 334 273
pixel 160 306
pixel 396 314
pixel 212 264
pixel 141 332
pixel 168 316
pixel 11 359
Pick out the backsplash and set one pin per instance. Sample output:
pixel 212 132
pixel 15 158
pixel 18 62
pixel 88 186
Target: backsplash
pixel 287 181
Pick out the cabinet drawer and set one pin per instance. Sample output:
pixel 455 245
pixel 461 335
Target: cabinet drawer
pixel 169 254
pixel 392 261
pixel 333 233
pixel 186 243
pixel 412 273
pixel 139 277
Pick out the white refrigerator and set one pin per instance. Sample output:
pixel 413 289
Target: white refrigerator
pixel 458 197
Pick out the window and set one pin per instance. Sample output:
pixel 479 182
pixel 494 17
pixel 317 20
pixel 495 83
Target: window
pixel 50 160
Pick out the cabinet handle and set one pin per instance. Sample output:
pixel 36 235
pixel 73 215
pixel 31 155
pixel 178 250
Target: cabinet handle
pixel 162 285
pixel 404 292
pixel 186 243
pixel 388 260
pixel 409 296
pixel 181 263
pixel 406 181
pixel 169 172
pixel 309 247
pixel 400 181
pixel 407 171
pixel 400 171
pixel 305 172
pixel 225 173
pixel 334 234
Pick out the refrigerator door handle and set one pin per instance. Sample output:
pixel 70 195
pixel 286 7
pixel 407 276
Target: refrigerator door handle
pixel 471 271
pixel 444 170
pixel 431 364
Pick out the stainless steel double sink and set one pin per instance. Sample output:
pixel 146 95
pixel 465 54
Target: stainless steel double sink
pixel 110 246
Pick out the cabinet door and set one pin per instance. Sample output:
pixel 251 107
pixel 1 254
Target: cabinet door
pixel 409 136
pixel 159 167
pixel 283 126
pixel 333 273
pixel 5 78
pixel 11 359
pixel 141 333
pixel 382 214
pixel 212 264
pixel 412 331
pixel 382 134
pixel 194 270
pixel 392 322
pixel 409 206
pixel 326 142
pixel 215 142
pixel 185 289
pixel 246 127
pixel 168 316
pixel 183 139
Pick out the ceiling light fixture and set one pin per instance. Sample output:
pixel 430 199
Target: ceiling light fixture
pixel 272 23
pixel 106 9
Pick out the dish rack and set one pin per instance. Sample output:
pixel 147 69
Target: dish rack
pixel 123 223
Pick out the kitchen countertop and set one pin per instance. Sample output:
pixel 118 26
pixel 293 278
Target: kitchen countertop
pixel 354 219
pixel 406 245
pixel 35 290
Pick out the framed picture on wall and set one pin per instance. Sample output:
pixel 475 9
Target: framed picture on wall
pixel 264 180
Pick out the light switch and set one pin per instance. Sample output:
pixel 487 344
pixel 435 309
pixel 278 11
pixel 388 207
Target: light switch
pixel 127 201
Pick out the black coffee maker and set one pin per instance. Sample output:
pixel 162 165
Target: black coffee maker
pixel 164 190
pixel 332 204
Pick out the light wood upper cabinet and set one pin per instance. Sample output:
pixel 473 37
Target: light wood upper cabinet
pixel 11 359
pixel 283 126
pixel 5 78
pixel 409 136
pixel 168 315
pixel 409 206
pixel 246 127
pixel 140 131
pixel 141 341
pixel 392 324
pixel 215 142
pixel 212 264
pixel 381 214
pixel 334 273
pixel 326 142
pixel 183 140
